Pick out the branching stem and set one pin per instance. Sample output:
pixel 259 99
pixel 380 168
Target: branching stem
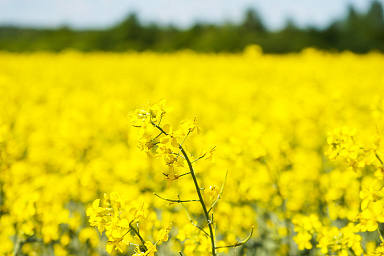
pixel 138 235
pixel 176 200
pixel 181 175
pixel 238 243
pixel 209 222
pixel 191 220
pixel 221 191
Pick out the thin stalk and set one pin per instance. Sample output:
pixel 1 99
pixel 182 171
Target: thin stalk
pixel 209 222
pixel 186 136
pixel 139 236
pixel 352 252
pixel 161 118
pixel 380 235
pixel 238 243
pixel 17 245
pixel 221 191
pixel 190 219
pixel 157 136
pixel 197 159
pixel 377 156
pixel 181 175
pixel 175 200
pixel 181 144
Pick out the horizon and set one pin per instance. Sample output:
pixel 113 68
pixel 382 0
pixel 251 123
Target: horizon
pixel 82 15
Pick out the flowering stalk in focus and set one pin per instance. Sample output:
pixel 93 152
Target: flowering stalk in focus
pixel 167 143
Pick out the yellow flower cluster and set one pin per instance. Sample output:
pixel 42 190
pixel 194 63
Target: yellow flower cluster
pixel 300 136
pixel 162 141
pixel 340 241
pixel 362 159
pixel 116 219
pixel 330 239
pixel 119 219
pixel 305 226
pixel 343 145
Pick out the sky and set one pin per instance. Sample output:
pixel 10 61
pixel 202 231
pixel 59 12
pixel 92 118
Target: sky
pixel 81 14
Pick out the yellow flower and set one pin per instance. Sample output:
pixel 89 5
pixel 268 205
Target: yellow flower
pixel 212 192
pixel 190 126
pixel 163 234
pixel 150 250
pixel 171 176
pixel 170 140
pixel 89 234
pixel 97 215
pixel 303 240
pixel 208 154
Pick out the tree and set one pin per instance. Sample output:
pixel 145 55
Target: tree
pixel 375 17
pixel 252 22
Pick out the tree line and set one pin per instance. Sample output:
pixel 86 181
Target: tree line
pixel 357 31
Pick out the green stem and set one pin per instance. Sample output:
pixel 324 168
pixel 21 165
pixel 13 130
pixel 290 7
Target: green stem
pixel 209 222
pixel 157 136
pixel 377 156
pixel 190 219
pixel 221 191
pixel 17 245
pixel 181 175
pixel 352 252
pixel 197 159
pixel 380 235
pixel 175 201
pixel 238 243
pixel 137 233
pixel 181 144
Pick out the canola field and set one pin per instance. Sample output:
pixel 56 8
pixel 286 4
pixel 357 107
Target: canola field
pixel 287 152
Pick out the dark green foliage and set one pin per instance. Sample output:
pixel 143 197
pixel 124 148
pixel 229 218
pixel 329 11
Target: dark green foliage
pixel 357 32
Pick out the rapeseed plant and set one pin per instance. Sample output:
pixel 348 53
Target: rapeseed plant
pixel 162 141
